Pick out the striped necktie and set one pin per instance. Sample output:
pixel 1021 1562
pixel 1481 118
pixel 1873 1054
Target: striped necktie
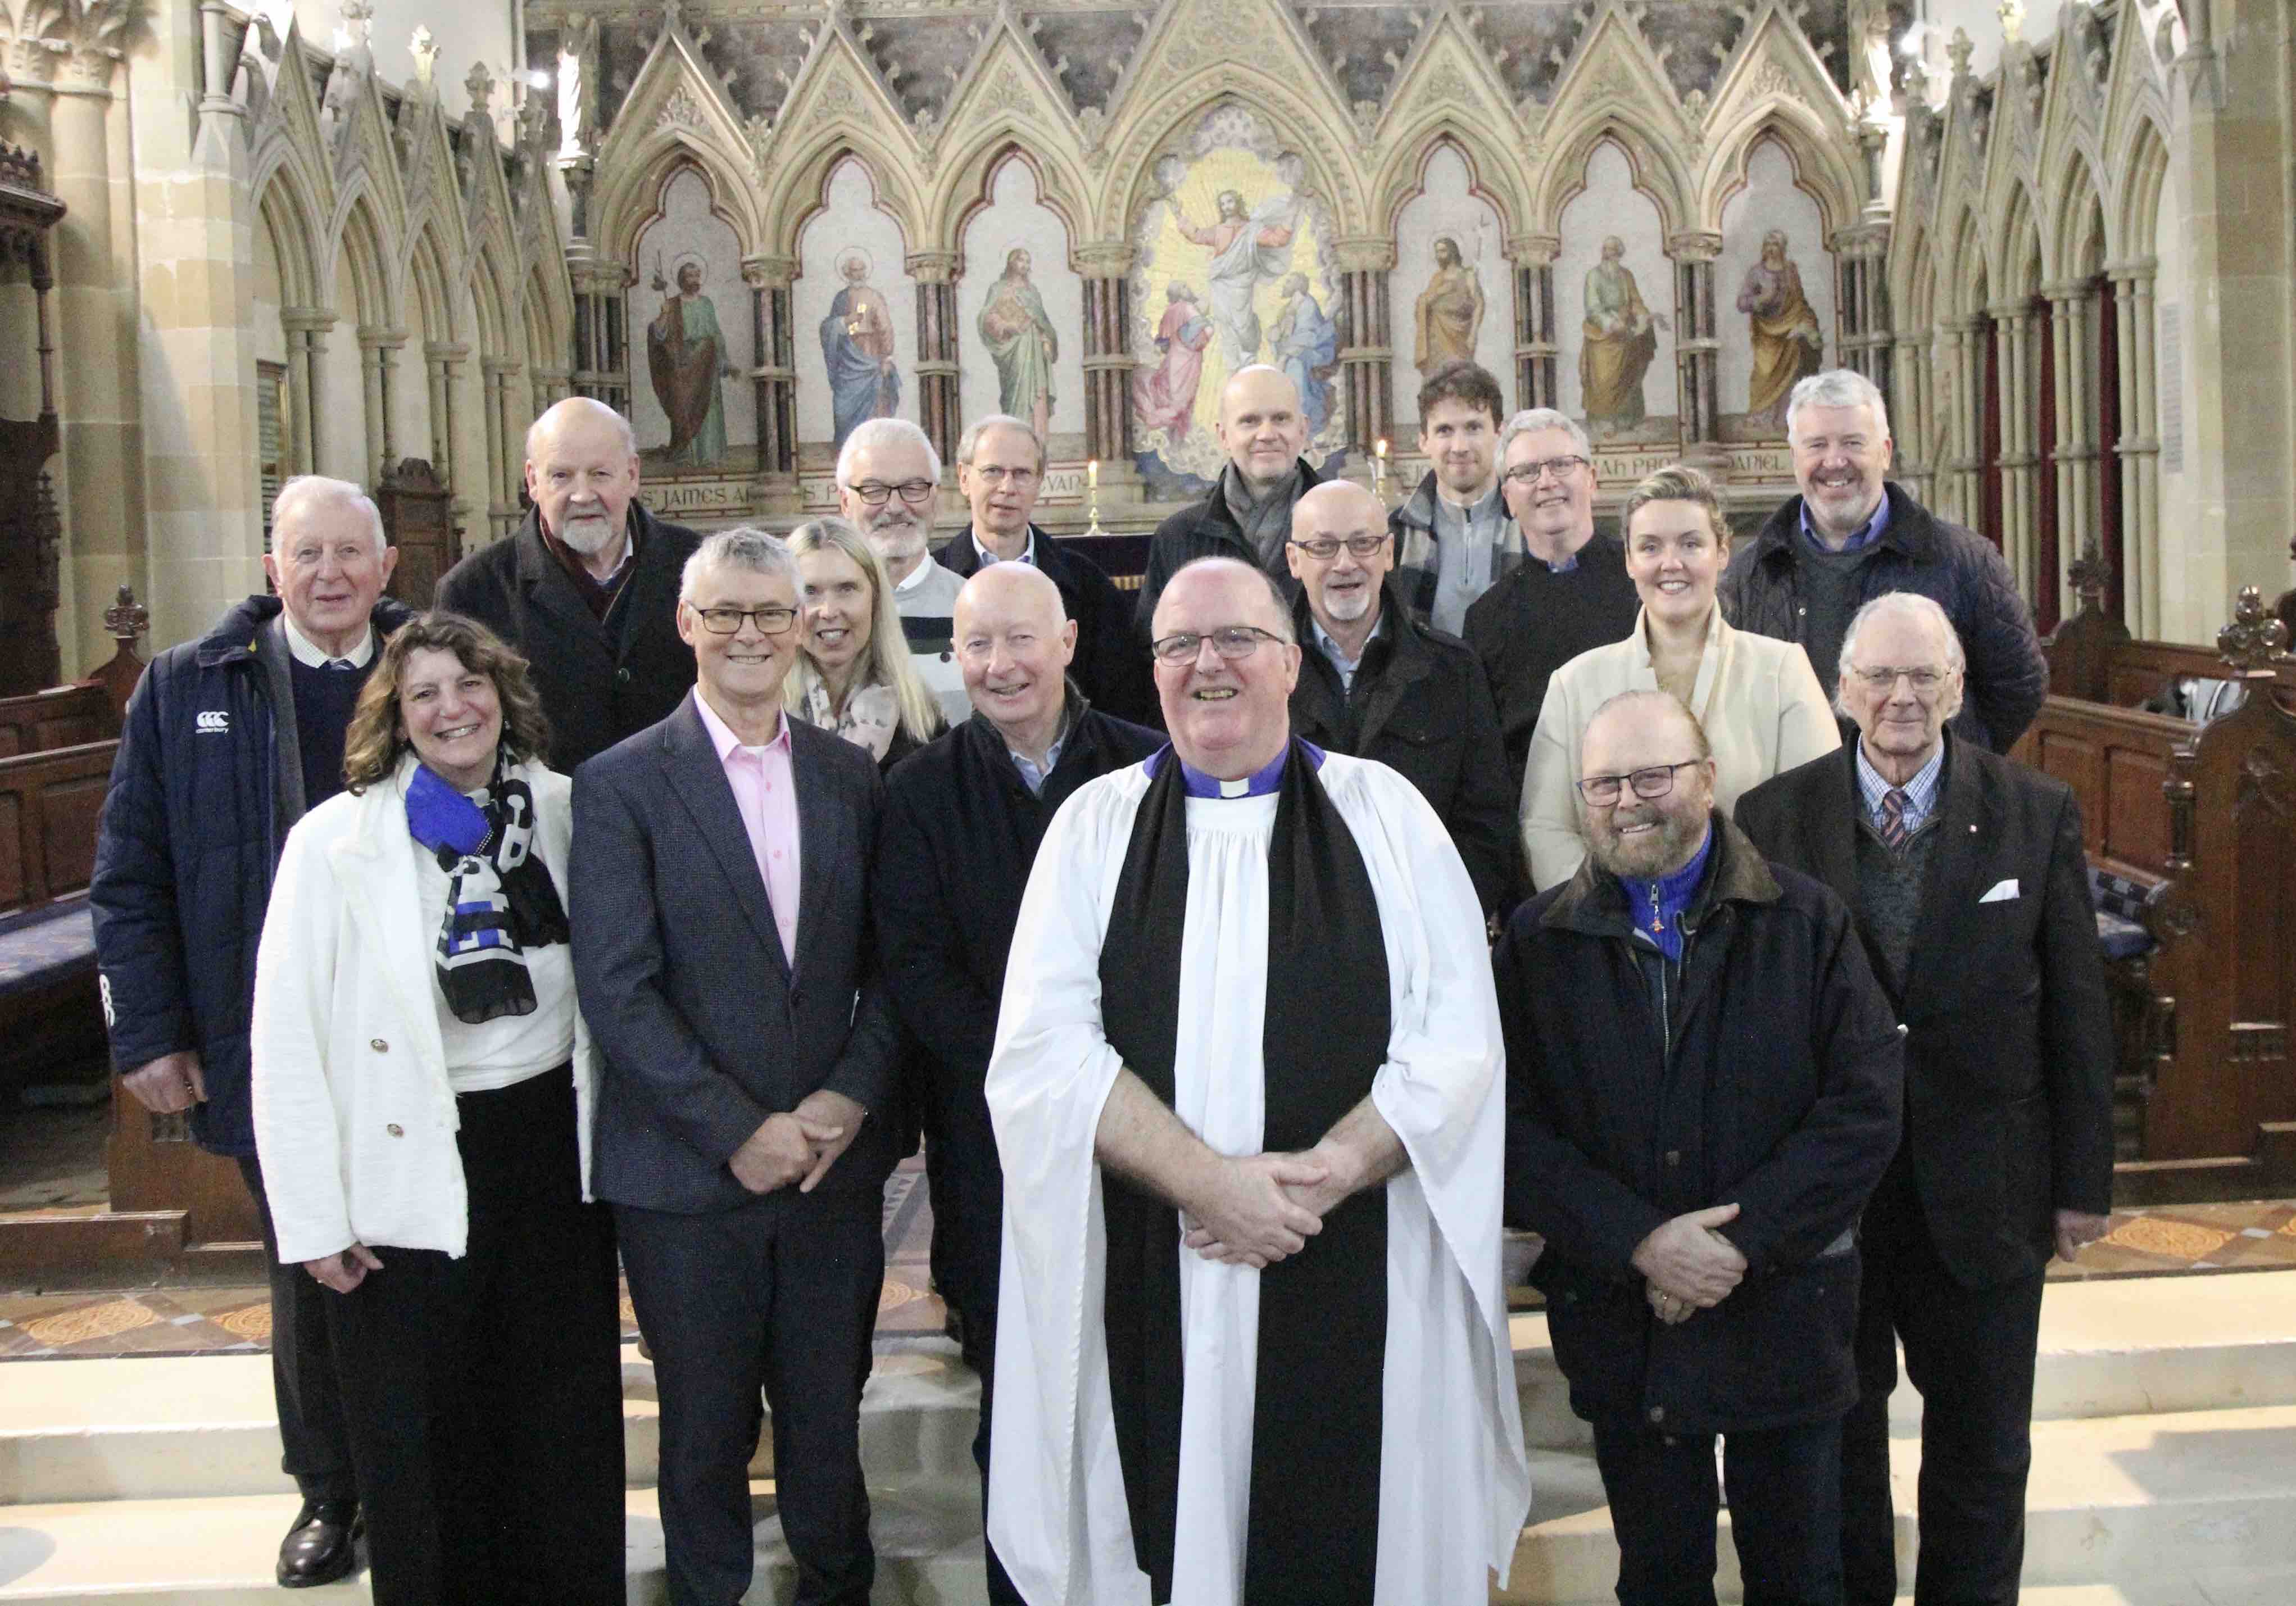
pixel 1893 818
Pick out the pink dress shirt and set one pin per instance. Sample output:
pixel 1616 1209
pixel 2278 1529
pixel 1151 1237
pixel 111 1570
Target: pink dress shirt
pixel 764 792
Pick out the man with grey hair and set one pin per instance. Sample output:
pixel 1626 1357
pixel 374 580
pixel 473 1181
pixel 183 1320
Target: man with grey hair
pixel 230 740
pixel 1000 468
pixel 888 477
pixel 586 587
pixel 745 1121
pixel 1852 535
pixel 1966 875
pixel 1569 596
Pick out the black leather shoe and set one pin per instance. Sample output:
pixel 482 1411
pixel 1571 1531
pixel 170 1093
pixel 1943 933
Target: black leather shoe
pixel 323 1545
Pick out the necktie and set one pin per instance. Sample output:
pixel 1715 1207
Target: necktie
pixel 1893 818
pixel 340 663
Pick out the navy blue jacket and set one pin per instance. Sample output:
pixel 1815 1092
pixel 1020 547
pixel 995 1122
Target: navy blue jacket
pixel 203 792
pixel 1110 663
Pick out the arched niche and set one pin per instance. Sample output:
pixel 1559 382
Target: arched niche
pixel 692 338
pixel 1616 332
pixel 1774 295
pixel 1016 255
pixel 854 304
pixel 1431 321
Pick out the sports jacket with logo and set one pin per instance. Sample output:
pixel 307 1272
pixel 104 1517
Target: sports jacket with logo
pixel 204 791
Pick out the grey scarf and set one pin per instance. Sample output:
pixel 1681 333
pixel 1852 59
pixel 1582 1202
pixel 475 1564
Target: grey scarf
pixel 1266 521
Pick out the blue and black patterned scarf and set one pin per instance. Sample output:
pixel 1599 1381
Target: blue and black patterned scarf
pixel 500 898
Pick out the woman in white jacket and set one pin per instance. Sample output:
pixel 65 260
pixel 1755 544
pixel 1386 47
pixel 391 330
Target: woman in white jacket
pixel 422 1112
pixel 1761 702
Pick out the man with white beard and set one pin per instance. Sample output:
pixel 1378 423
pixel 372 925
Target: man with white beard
pixel 586 589
pixel 1381 686
pixel 888 476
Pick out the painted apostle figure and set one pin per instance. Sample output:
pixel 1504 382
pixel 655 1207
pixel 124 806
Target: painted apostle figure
pixel 686 354
pixel 1788 344
pixel 856 345
pixel 1020 339
pixel 1450 313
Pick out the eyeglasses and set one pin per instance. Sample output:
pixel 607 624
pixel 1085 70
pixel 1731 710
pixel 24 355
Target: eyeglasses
pixel 726 621
pixel 874 492
pixel 1926 681
pixel 1652 781
pixel 1231 642
pixel 994 473
pixel 1530 473
pixel 1328 546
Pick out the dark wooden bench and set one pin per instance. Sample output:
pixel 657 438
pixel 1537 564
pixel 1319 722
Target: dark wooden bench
pixel 2193 828
pixel 60 717
pixel 51 1018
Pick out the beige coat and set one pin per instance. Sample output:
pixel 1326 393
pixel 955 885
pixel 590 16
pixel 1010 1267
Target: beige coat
pixel 1761 705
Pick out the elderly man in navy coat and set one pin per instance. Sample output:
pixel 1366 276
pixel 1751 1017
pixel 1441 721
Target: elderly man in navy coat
pixel 721 869
pixel 1971 890
pixel 963 817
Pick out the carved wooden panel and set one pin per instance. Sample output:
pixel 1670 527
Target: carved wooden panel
pixel 14 880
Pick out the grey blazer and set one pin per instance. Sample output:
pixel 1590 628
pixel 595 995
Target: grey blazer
pixel 704 1028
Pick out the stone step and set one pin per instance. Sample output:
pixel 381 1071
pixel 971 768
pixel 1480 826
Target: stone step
pixel 2145 1504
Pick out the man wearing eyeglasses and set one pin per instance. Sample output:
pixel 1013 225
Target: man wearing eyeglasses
pixel 1252 1346
pixel 1569 596
pixel 1703 1084
pixel 742 1132
pixel 888 477
pixel 1380 684
pixel 1970 889
pixel 1454 537
pixel 1000 468
pixel 586 587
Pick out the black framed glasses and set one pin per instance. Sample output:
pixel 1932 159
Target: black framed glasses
pixel 876 493
pixel 1650 781
pixel 1327 547
pixel 774 620
pixel 1530 473
pixel 1231 642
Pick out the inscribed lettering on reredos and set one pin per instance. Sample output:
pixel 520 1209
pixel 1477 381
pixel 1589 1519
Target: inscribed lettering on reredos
pixel 1234 267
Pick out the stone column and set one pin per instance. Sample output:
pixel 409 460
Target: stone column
pixel 938 409
pixel 1863 336
pixel 2012 332
pixel 773 376
pixel 2072 309
pixel 601 342
pixel 506 430
pixel 1108 359
pixel 549 386
pixel 1965 467
pixel 2139 450
pixel 441 359
pixel 378 355
pixel 1536 383
pixel 307 328
pixel 1912 417
pixel 1697 344
pixel 1368 363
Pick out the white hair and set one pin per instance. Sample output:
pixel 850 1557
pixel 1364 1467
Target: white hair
pixel 745 547
pixel 969 441
pixel 588 406
pixel 1902 604
pixel 1532 419
pixel 1837 388
pixel 320 488
pixel 871 433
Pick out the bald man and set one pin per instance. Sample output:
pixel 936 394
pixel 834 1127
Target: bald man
pixel 1247 516
pixel 1377 684
pixel 586 588
pixel 962 819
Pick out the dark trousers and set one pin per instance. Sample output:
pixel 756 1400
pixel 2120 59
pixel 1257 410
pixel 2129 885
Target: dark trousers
pixel 968 1202
pixel 1970 1352
pixel 484 1394
pixel 779 1293
pixel 1785 1489
pixel 316 1449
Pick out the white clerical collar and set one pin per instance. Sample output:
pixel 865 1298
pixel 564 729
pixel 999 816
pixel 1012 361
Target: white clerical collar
pixel 311 657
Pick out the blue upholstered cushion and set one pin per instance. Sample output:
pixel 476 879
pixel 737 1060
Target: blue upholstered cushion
pixel 46 946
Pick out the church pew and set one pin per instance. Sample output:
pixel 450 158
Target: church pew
pixel 2093 656
pixel 50 1017
pixel 59 717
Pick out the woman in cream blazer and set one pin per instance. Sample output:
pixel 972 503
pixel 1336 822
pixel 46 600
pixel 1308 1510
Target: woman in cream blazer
pixel 423 1097
pixel 1761 703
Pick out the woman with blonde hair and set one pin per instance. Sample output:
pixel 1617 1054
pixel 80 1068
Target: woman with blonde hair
pixel 853 674
pixel 422 1100
pixel 1757 699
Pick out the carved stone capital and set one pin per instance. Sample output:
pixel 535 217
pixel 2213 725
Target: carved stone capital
pixel 1365 253
pixel 769 273
pixel 1693 246
pixel 1105 260
pixel 931 267
pixel 594 278
pixel 1534 250
pixel 308 320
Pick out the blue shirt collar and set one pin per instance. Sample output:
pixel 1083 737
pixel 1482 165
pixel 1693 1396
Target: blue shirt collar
pixel 1868 533
pixel 1659 903
pixel 1262 782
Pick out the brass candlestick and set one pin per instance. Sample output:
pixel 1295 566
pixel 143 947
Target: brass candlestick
pixel 1092 482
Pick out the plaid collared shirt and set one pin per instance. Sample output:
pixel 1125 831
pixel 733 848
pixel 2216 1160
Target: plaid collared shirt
pixel 1921 792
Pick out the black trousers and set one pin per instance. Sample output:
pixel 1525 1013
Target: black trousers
pixel 1970 1352
pixel 1784 1488
pixel 316 1448
pixel 779 1293
pixel 484 1394
pixel 968 1202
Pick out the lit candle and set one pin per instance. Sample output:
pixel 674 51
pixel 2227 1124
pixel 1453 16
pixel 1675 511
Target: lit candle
pixel 1379 466
pixel 1092 473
